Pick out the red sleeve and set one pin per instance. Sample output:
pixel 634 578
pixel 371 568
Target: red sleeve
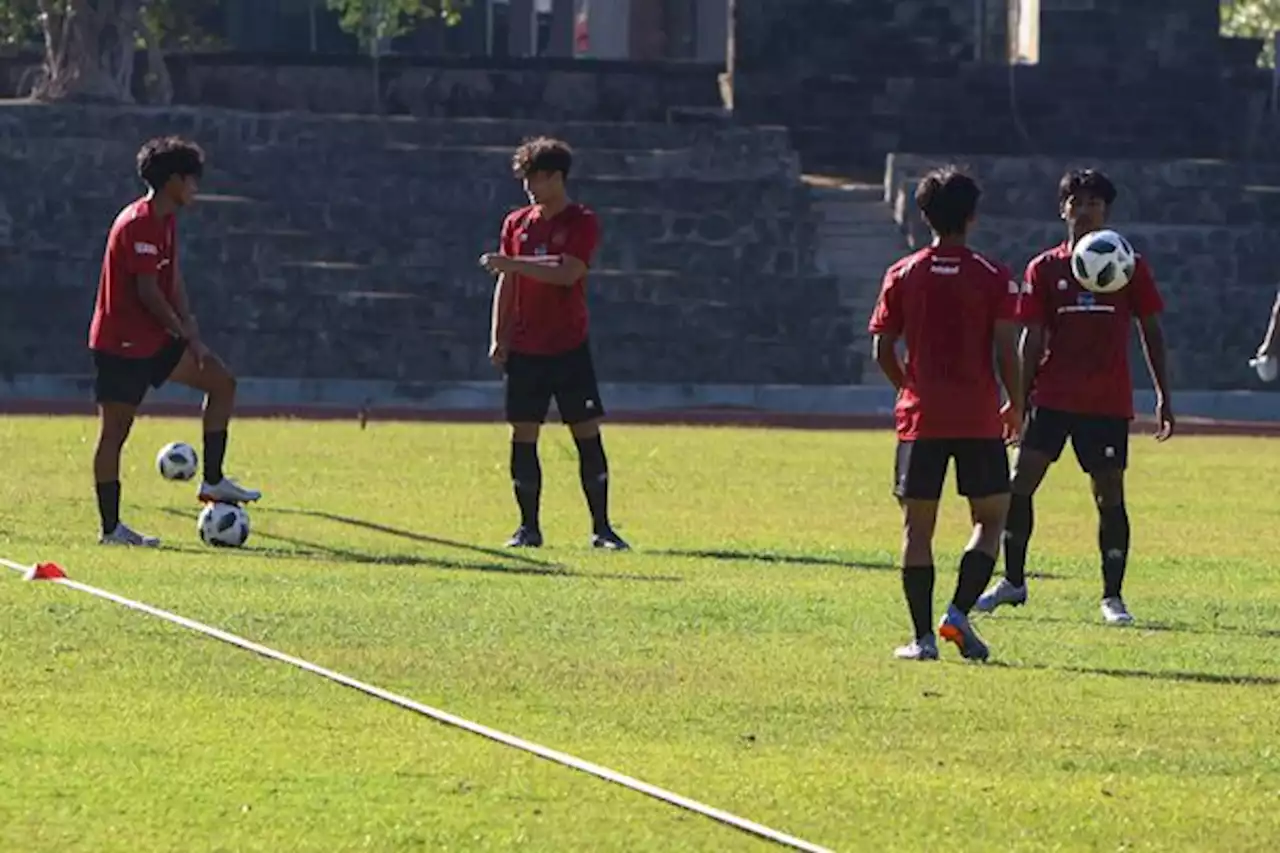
pixel 887 316
pixel 583 237
pixel 1033 298
pixel 504 239
pixel 1144 296
pixel 140 246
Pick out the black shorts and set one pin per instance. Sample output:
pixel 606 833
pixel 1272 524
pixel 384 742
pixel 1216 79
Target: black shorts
pixel 1101 443
pixel 119 379
pixel 533 380
pixel 982 467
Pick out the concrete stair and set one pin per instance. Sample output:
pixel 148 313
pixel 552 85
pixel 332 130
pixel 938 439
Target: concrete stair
pixel 858 240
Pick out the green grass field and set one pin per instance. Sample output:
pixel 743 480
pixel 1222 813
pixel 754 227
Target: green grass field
pixel 741 656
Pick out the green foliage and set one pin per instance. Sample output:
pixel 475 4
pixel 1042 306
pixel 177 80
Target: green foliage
pixel 373 20
pixel 180 24
pixel 19 24
pixel 183 24
pixel 1253 19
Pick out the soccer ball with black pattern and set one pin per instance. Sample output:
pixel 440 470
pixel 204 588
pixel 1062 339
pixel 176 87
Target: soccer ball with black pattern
pixel 1103 261
pixel 223 525
pixel 177 461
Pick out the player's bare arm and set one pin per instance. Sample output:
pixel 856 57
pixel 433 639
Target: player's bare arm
pixel 1009 365
pixel 181 304
pixel 500 329
pixel 1152 335
pixel 152 297
pixel 568 272
pixel 1030 351
pixel 191 330
pixel 884 348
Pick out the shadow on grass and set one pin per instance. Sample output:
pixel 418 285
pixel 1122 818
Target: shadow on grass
pixel 1174 675
pixel 507 555
pixel 736 556
pixel 1142 626
pixel 511 564
pixel 1214 630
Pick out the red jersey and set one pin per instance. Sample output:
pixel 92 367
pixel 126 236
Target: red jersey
pixel 1085 366
pixel 139 243
pixel 549 318
pixel 945 302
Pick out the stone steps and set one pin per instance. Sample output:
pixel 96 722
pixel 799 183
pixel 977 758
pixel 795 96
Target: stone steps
pixel 719 218
pixel 1179 192
pixel 666 345
pixel 241 255
pixel 428 303
pixel 314 132
pixel 334 248
pixel 1203 255
pixel 261 172
pixel 54 272
pixel 859 240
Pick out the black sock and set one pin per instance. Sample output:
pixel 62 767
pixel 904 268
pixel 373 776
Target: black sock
pixel 917 586
pixel 215 450
pixel 593 470
pixel 1113 543
pixel 1017 535
pixel 109 505
pixel 526 480
pixel 976 569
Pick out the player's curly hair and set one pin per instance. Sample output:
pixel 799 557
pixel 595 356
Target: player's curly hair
pixel 543 154
pixel 948 198
pixel 1087 181
pixel 161 158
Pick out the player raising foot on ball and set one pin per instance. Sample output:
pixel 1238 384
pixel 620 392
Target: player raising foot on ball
pixel 953 308
pixel 143 333
pixel 539 335
pixel 1075 361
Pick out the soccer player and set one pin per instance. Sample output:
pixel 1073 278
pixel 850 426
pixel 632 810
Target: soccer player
pixel 143 333
pixel 1075 357
pixel 539 335
pixel 954 309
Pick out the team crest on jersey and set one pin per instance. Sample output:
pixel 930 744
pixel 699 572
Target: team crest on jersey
pixel 1062 284
pixel 524 237
pixel 557 238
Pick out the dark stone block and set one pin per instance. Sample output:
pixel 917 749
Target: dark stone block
pixel 332 248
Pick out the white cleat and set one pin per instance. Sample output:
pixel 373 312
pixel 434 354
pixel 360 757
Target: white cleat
pixel 925 648
pixel 227 491
pixel 1002 593
pixel 124 536
pixel 1114 612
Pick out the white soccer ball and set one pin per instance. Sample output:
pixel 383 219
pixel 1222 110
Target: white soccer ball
pixel 1103 261
pixel 177 461
pixel 223 525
